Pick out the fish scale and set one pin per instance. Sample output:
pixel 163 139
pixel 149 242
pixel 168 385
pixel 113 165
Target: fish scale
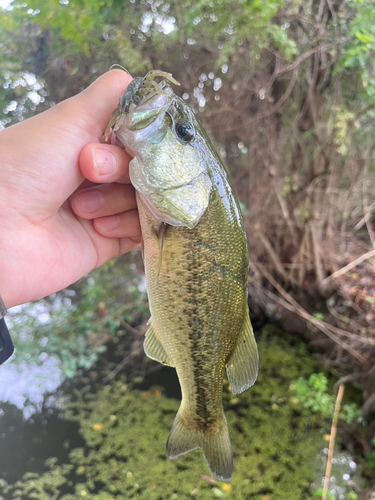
pixel 196 264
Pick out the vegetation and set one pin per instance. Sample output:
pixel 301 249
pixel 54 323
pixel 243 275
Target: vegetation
pixel 296 85
pixel 126 429
pixel 286 90
pixel 313 393
pixel 74 326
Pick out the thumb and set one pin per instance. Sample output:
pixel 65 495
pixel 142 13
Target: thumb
pixel 97 102
pixel 41 154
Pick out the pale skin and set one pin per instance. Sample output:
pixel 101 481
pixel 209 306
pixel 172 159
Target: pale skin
pixel 66 202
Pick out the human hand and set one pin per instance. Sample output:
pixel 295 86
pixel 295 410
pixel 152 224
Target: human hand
pixel 55 227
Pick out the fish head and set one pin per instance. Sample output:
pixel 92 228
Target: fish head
pixel 169 168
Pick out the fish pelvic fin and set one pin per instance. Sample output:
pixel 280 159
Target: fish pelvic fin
pixel 216 446
pixel 242 366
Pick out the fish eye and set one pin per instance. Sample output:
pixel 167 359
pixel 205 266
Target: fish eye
pixel 185 131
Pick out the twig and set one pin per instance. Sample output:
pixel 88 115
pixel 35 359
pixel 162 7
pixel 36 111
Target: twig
pixel 118 368
pixel 128 327
pixel 320 11
pixel 321 325
pixel 130 356
pixel 302 57
pixel 348 267
pixel 332 440
pixel 285 211
pixel 276 56
pixel 317 260
pixel 368 405
pixel 276 106
pixel 353 324
pixel 367 210
pixel 299 257
pixel 343 380
pixel 273 255
pixel 293 306
pixel 333 13
pixel 363 220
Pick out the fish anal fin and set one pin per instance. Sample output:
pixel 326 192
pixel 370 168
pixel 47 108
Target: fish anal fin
pixel 216 446
pixel 154 348
pixel 242 366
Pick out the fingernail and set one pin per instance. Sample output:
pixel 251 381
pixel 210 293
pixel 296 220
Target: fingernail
pixel 109 223
pixel 89 201
pixel 105 161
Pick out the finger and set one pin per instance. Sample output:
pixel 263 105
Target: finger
pixel 127 245
pixel 107 247
pixel 104 163
pixel 101 98
pixel 124 225
pixel 103 200
pixel 56 137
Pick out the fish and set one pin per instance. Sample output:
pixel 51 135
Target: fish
pixel 196 263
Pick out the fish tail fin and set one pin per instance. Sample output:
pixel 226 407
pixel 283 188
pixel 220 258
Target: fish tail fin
pixel 217 450
pixel 216 446
pixel 181 440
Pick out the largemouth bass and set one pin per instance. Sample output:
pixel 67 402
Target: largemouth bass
pixel 196 262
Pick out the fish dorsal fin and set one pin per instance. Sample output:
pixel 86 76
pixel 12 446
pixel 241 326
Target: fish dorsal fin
pixel 242 366
pixel 154 348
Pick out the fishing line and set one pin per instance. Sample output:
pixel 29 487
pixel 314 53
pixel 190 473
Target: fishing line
pixel 121 67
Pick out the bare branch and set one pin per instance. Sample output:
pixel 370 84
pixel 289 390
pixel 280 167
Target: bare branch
pixel 332 440
pixel 348 267
pixel 307 54
pixel 293 306
pixel 273 255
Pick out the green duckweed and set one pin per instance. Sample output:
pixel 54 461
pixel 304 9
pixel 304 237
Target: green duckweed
pixel 275 441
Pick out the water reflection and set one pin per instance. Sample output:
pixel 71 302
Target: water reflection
pixel 26 384
pixel 344 475
pixel 57 337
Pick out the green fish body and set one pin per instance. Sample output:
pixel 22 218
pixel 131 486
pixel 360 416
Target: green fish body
pixel 196 263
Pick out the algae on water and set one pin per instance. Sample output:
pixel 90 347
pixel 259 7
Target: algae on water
pixel 275 441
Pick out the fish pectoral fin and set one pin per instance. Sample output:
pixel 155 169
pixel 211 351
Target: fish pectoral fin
pixel 242 366
pixel 143 249
pixel 216 446
pixel 161 234
pixel 154 348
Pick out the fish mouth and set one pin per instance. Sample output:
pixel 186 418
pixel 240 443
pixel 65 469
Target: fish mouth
pixel 143 101
pixel 154 127
pixel 140 90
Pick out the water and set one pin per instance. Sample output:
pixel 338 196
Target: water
pixel 71 419
pixel 345 476
pixel 25 445
pixel 44 414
